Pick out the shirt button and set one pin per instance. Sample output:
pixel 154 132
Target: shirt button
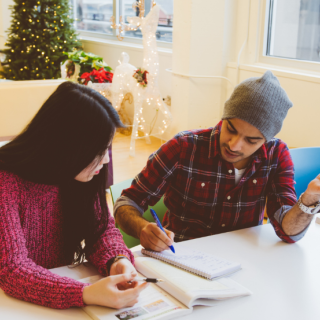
pixel 254 181
pixel 230 171
pixel 203 184
pixel 228 197
pixel 223 225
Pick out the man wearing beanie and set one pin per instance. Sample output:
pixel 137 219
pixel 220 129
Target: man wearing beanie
pixel 223 178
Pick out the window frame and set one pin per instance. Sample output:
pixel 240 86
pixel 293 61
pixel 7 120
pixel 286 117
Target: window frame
pixel 97 36
pixel 258 25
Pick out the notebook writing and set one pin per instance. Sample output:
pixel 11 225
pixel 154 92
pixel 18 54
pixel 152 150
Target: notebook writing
pixel 206 265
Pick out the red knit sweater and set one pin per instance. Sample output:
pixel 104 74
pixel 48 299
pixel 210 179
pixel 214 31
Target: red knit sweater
pixel 31 242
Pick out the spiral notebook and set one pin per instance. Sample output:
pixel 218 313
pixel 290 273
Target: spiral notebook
pixel 200 263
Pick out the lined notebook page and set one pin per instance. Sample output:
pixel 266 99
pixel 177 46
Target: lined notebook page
pixel 200 263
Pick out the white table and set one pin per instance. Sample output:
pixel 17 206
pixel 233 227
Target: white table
pixel 284 279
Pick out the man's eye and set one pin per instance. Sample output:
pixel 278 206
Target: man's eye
pixel 251 142
pixel 230 130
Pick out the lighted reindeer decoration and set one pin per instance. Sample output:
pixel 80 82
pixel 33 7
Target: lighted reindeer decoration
pixel 151 116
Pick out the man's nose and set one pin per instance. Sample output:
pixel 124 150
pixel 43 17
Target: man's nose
pixel 235 143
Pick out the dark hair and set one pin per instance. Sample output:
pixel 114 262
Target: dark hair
pixel 73 128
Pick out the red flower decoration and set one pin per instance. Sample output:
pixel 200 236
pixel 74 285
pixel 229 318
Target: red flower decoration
pixel 97 76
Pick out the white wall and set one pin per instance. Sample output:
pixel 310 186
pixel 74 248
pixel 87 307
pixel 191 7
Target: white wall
pixel 20 101
pixel 202 46
pixel 208 36
pixel 5 18
pixel 300 128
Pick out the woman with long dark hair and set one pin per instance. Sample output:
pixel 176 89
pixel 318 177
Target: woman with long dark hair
pixel 53 209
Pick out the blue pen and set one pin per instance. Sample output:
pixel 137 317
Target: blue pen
pixel 156 219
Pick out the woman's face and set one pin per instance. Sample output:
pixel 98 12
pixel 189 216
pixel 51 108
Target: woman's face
pixel 93 168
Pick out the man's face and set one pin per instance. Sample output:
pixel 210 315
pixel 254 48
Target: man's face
pixel 238 141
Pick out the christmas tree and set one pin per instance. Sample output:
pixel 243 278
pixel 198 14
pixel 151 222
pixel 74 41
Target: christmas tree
pixel 39 34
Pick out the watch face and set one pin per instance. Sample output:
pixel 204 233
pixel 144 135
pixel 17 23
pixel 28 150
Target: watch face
pixel 316 209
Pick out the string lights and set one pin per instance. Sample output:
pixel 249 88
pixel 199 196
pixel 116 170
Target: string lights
pixel 151 116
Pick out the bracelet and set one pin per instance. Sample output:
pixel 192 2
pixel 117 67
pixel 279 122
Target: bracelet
pixel 113 260
pixel 313 209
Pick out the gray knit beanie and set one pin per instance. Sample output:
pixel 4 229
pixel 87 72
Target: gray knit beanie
pixel 261 102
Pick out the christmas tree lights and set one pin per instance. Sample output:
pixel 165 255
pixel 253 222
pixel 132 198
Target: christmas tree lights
pixel 39 34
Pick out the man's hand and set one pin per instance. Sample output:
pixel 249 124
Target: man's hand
pixel 295 221
pixel 312 194
pixel 153 238
pixel 124 266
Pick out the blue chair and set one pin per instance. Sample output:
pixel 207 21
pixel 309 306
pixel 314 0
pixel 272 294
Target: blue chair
pixel 307 166
pixel 159 208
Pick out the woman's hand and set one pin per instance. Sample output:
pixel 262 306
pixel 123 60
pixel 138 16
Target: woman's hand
pixel 106 293
pixel 124 266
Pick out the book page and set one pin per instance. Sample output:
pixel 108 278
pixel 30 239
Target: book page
pixel 154 303
pixel 188 287
pixel 207 265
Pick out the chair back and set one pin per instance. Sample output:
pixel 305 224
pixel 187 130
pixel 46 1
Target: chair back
pixel 306 165
pixel 159 208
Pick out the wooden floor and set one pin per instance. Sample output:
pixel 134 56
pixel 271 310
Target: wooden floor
pixel 125 166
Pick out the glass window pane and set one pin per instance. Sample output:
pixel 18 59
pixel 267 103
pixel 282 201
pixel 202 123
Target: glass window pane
pixel 93 15
pixel 164 30
pixel 294 29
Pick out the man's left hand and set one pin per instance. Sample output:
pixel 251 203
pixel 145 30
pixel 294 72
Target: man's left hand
pixel 312 194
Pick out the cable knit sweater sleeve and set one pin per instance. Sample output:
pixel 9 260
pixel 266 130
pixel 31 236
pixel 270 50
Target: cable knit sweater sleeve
pixel 109 245
pixel 20 277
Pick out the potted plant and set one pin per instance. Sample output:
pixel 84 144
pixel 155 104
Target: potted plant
pixel 86 63
pixel 88 69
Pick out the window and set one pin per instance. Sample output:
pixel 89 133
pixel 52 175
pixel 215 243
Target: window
pixel 293 29
pixel 95 15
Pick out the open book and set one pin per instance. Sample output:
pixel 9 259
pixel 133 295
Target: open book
pixel 175 297
pixel 203 264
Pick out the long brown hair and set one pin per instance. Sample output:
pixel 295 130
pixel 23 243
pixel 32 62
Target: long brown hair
pixel 73 128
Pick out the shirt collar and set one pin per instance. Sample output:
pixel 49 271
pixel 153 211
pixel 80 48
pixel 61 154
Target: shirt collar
pixel 260 154
pixel 214 145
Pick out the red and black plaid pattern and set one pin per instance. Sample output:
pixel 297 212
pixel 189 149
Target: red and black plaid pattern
pixel 199 186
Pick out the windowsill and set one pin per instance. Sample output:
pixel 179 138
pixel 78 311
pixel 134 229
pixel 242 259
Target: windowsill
pixel 122 44
pixel 279 71
pixel 30 83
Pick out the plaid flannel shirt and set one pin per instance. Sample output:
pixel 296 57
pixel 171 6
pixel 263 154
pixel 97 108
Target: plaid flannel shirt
pixel 199 186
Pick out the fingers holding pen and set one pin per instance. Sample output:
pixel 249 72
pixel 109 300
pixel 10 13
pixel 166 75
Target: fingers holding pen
pixel 106 293
pixel 152 237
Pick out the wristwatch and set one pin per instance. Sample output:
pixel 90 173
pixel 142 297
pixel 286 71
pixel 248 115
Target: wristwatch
pixel 313 209
pixel 113 260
